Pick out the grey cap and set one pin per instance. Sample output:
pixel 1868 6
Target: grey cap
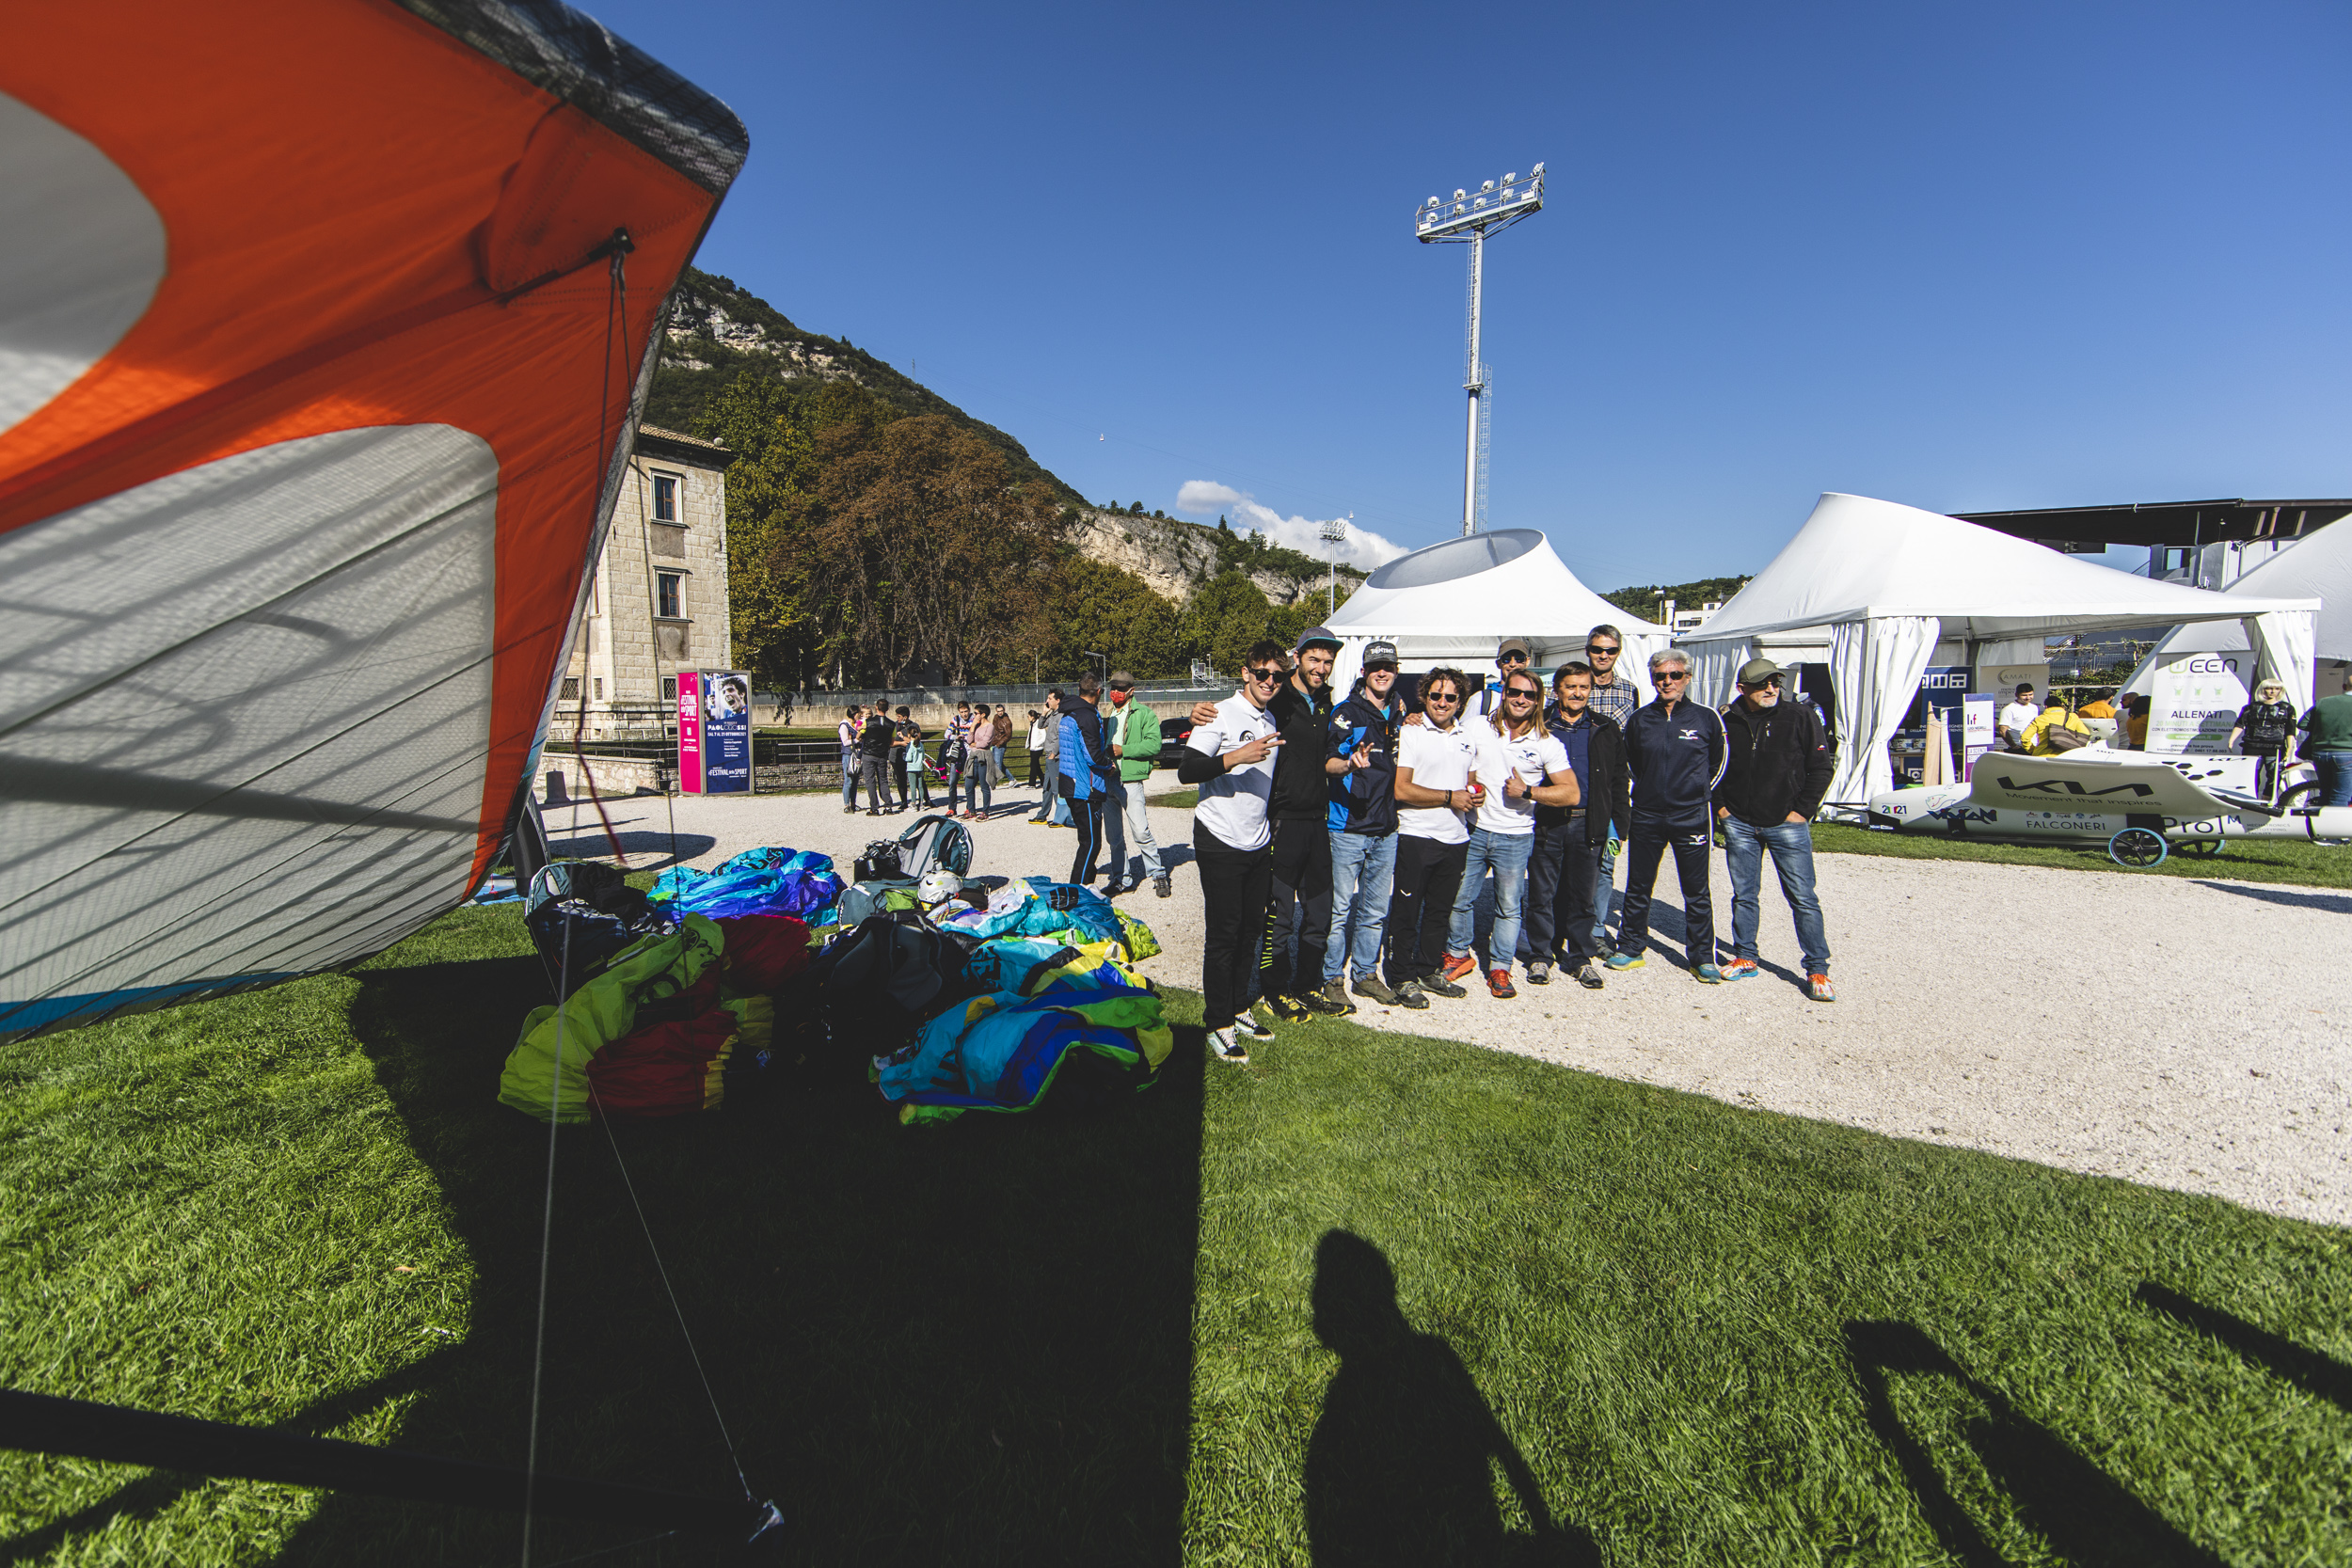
pixel 1318 637
pixel 1383 651
pixel 1755 671
pixel 1514 644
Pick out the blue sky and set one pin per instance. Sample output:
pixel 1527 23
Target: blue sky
pixel 1960 257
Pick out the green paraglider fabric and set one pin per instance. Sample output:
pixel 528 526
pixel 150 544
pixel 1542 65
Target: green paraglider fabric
pixel 600 1012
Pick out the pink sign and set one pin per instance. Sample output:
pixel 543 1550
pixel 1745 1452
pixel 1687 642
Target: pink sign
pixel 689 732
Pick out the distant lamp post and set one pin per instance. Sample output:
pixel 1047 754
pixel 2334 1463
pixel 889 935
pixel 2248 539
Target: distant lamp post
pixel 1334 532
pixel 1472 217
pixel 1107 665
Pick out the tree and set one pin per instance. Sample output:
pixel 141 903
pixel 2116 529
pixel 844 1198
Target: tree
pixel 1111 611
pixel 1223 618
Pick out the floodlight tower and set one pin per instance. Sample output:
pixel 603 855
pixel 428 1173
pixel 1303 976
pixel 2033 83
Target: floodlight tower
pixel 1334 532
pixel 1472 217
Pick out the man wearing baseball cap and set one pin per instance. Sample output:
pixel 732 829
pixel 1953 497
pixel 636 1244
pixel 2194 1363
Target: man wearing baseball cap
pixel 1511 654
pixel 1775 772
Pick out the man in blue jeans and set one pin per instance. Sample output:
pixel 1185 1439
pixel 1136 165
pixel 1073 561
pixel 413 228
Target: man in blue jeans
pixel 1520 766
pixel 1360 768
pixel 2327 742
pixel 1776 773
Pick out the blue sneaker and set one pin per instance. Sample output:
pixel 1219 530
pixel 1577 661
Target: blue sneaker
pixel 1708 974
pixel 1626 961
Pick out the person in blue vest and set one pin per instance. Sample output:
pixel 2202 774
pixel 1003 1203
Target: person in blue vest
pixel 1360 762
pixel 1086 769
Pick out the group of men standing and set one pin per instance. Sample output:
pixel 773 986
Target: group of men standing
pixel 1344 842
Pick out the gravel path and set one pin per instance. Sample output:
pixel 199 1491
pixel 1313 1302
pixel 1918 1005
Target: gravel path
pixel 2219 1064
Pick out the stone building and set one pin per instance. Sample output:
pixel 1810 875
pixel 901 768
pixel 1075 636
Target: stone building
pixel 657 602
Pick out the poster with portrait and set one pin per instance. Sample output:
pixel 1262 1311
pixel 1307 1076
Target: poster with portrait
pixel 689 732
pixel 727 696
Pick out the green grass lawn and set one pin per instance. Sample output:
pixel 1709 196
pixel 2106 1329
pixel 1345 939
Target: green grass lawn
pixel 2244 860
pixel 1372 1298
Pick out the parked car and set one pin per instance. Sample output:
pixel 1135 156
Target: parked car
pixel 1173 733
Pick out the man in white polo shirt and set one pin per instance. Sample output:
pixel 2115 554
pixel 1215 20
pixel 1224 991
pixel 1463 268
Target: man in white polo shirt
pixel 1521 766
pixel 1231 761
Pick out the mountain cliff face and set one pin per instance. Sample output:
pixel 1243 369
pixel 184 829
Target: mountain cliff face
pixel 719 331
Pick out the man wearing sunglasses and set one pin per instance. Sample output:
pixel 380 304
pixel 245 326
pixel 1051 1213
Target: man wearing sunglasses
pixel 1776 770
pixel 1230 759
pixel 1615 698
pixel 1360 768
pixel 1677 749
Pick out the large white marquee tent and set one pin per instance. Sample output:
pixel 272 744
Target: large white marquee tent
pixel 2318 566
pixel 1890 581
pixel 1453 603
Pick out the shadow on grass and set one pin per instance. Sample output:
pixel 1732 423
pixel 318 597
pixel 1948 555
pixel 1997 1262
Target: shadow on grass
pixel 2307 1369
pixel 960 1344
pixel 1398 1468
pixel 2087 1517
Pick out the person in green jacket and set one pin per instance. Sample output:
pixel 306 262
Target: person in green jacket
pixel 1134 737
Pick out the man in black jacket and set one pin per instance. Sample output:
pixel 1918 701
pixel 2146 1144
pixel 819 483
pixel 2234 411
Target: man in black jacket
pixel 1675 748
pixel 1778 769
pixel 1563 872
pixel 873 751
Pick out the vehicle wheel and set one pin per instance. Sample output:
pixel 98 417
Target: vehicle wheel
pixel 2296 792
pixel 2204 848
pixel 2136 848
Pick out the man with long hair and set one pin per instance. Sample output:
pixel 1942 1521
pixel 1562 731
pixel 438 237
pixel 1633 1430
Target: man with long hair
pixel 1520 766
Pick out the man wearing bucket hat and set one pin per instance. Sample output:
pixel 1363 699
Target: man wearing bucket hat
pixel 1776 769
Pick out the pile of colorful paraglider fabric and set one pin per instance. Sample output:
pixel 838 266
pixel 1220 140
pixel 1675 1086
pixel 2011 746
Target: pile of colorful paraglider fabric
pixel 1041 906
pixel 656 1033
pixel 1063 1017
pixel 583 914
pixel 768 881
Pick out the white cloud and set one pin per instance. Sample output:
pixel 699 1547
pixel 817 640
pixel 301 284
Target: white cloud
pixel 1204 494
pixel 1364 549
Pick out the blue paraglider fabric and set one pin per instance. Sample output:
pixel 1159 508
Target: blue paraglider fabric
pixel 768 881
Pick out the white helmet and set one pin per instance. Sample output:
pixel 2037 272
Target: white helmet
pixel 937 887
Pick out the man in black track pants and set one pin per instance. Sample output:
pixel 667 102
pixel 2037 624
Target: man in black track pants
pixel 1085 767
pixel 1677 749
pixel 1230 759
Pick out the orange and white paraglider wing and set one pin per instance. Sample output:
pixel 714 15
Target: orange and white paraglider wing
pixel 316 371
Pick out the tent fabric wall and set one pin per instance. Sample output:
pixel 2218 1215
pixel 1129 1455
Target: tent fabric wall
pixel 1453 602
pixel 2283 643
pixel 2318 566
pixel 1876 665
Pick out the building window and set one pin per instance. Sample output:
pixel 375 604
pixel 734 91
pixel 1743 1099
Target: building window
pixel 571 688
pixel 598 686
pixel 669 593
pixel 665 497
pixel 669 689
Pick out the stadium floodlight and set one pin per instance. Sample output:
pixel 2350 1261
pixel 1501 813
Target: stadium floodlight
pixel 1471 220
pixel 1334 532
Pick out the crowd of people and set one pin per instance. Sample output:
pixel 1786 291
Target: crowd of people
pixel 1346 845
pixel 879 748
pixel 2267 728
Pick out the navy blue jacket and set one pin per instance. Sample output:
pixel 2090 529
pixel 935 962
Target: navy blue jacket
pixel 1676 759
pixel 1363 799
pixel 1600 784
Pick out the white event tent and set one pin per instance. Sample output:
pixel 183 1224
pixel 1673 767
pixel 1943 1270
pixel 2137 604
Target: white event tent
pixel 2318 566
pixel 1452 603
pixel 1891 582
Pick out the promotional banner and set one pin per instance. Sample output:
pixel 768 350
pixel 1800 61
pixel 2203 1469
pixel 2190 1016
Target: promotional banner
pixel 1978 733
pixel 689 732
pixel 2196 700
pixel 1944 687
pixel 726 731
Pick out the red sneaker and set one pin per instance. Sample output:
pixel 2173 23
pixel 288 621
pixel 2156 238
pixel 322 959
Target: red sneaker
pixel 1499 982
pixel 1458 964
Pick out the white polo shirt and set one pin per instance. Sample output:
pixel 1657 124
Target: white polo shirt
pixel 1440 759
pixel 2016 716
pixel 1533 757
pixel 1234 804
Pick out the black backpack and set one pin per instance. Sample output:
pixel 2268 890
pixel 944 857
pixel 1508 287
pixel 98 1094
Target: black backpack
pixel 590 908
pixel 876 982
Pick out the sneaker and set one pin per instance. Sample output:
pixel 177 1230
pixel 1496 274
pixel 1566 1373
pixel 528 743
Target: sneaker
pixel 1225 1048
pixel 1819 988
pixel 1437 984
pixel 1741 969
pixel 1373 988
pixel 1458 964
pixel 1290 1009
pixel 1587 976
pixel 1250 1024
pixel 1626 960
pixel 1161 886
pixel 1333 1002
pixel 1539 974
pixel 1499 982
pixel 1708 974
pixel 1410 995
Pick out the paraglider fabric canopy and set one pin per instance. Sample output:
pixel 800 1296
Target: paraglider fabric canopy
pixel 1452 603
pixel 316 380
pixel 1891 582
pixel 2317 567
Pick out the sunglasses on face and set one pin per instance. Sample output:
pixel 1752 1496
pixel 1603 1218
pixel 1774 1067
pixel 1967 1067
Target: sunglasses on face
pixel 1511 659
pixel 1673 674
pixel 1267 675
pixel 1433 698
pixel 1380 669
pixel 1600 650
pixel 1772 681
pixel 1521 694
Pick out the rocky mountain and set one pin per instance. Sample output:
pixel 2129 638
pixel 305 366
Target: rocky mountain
pixel 720 331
